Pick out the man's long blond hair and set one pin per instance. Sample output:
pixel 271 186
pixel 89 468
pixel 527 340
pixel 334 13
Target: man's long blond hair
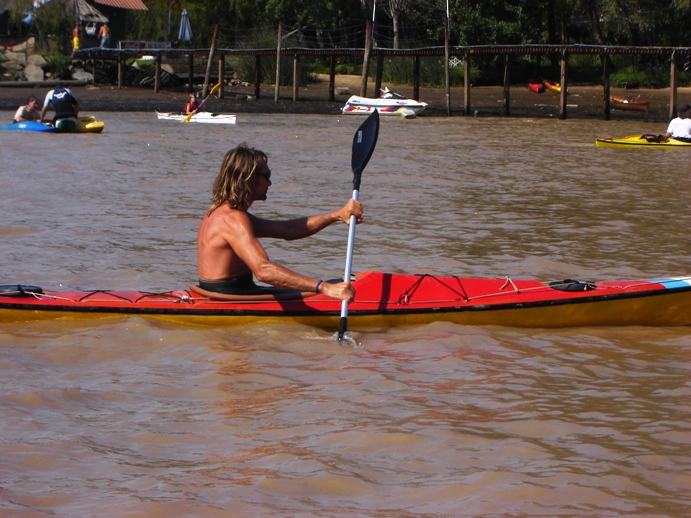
pixel 233 182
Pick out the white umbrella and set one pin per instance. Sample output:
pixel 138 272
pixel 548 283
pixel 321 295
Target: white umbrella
pixel 185 27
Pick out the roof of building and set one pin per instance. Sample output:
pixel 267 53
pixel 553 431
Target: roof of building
pixel 88 13
pixel 124 4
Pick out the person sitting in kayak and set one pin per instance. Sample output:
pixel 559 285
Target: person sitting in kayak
pixel 64 103
pixel 229 253
pixel 192 105
pixel 680 127
pixel 28 112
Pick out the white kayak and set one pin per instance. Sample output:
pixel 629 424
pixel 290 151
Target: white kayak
pixel 203 117
pixel 389 103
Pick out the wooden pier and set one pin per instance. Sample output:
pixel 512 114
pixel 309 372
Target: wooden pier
pixel 460 54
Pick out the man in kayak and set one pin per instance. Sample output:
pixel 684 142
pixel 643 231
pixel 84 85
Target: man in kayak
pixel 64 103
pixel 28 112
pixel 680 127
pixel 228 249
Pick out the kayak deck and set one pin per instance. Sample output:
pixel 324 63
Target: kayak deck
pixel 388 300
pixel 202 117
pixel 640 141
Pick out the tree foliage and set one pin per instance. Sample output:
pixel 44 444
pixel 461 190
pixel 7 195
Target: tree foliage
pixel 406 23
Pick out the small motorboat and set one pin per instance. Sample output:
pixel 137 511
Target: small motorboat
pixel 628 103
pixel 202 117
pixel 84 124
pixel 647 140
pixel 389 103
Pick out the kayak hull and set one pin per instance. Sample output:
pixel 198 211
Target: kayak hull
pixel 86 124
pixel 89 124
pixel 201 117
pixel 639 141
pixel 552 86
pixel 407 108
pixel 32 126
pixel 388 300
pixel 628 103
pixel 538 88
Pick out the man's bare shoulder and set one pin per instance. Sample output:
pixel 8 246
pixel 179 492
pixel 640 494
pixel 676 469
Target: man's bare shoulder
pixel 224 218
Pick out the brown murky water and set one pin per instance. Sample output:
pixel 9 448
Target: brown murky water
pixel 130 417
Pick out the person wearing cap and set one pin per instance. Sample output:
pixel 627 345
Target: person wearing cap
pixel 680 127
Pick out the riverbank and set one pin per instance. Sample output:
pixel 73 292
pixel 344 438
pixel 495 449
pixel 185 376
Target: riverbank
pixel 583 101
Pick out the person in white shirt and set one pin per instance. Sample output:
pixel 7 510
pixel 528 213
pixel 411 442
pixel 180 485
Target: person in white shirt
pixel 680 127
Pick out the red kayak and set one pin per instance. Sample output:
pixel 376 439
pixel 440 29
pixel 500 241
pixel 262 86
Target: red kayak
pixel 382 300
pixel 538 88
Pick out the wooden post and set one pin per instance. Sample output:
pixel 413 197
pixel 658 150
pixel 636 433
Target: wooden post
pixel 673 86
pixel 257 75
pixel 380 72
pixel 447 73
pixel 605 83
pixel 190 73
pixel 120 71
pixel 564 87
pixel 365 60
pixel 208 63
pixel 332 79
pixel 277 86
pixel 416 77
pixel 157 75
pixel 507 85
pixel 466 83
pixel 221 73
pixel 296 77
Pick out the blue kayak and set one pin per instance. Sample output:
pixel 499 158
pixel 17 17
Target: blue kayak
pixel 30 126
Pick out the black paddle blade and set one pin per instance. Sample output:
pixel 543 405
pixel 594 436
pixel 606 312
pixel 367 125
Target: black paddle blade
pixel 364 142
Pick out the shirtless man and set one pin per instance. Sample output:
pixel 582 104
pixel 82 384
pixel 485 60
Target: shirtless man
pixel 104 36
pixel 228 248
pixel 75 38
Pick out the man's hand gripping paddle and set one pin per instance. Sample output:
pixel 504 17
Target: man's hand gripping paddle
pixel 213 91
pixel 364 142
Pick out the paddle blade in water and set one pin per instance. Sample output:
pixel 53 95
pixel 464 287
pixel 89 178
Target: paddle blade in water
pixel 364 142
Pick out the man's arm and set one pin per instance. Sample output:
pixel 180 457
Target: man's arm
pixel 304 227
pixel 243 240
pixel 46 102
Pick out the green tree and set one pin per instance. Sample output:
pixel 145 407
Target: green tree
pixel 53 22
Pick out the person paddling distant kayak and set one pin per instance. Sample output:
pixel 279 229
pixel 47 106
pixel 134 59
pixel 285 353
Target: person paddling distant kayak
pixel 229 253
pixel 192 105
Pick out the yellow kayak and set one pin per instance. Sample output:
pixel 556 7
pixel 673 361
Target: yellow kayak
pixel 89 124
pixel 641 141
